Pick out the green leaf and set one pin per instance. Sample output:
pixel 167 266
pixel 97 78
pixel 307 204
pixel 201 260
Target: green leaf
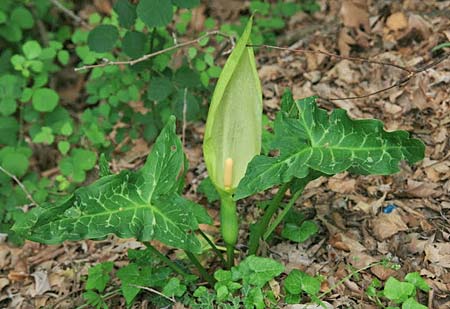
pixel 411 303
pixel 299 233
pixel 145 205
pixel 288 105
pixel 186 4
pixel 94 299
pixel 398 291
pixel 10 91
pixel 416 279
pixel 298 281
pixel 63 147
pixel 45 100
pixel 132 276
pixel 257 271
pixel 84 159
pixel 207 188
pixel 99 276
pixel 255 298
pixel 22 18
pixel 233 128
pixel 185 77
pixel 3 17
pixel 174 288
pixel 186 106
pixel 155 13
pixel 104 166
pixel 9 127
pixel 45 136
pixel 126 12
pixel 14 161
pixel 329 144
pixel 160 88
pixel 63 57
pixel 32 50
pixel 103 38
pixel 134 44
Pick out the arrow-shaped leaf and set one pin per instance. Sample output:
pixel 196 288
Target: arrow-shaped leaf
pixel 329 144
pixel 144 205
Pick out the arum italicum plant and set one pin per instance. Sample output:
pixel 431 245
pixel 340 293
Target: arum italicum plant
pixel 233 131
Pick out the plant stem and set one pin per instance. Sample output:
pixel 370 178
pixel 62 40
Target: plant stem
pixel 347 278
pixel 104 297
pixel 298 185
pixel 200 268
pixel 281 216
pixel 229 224
pixel 213 246
pixel 261 226
pixel 166 260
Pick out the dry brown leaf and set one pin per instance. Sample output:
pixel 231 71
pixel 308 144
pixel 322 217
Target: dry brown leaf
pixel 344 42
pixel 342 185
pixel 17 276
pixel 422 189
pixel 3 283
pixel 41 283
pixel 4 256
pixel 104 6
pixel 197 22
pixel 382 272
pixel 397 21
pixel 360 260
pixel 275 288
pixel 310 306
pixel 270 72
pixel 438 253
pixel 355 14
pixel 343 242
pixel 387 225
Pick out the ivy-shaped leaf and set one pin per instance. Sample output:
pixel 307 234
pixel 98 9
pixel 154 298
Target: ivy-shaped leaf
pixel 330 144
pixel 145 205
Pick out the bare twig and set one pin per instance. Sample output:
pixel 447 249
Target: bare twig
pixel 20 184
pixel 68 12
pixel 411 71
pixel 153 291
pixel 183 132
pixel 159 52
pixel 311 51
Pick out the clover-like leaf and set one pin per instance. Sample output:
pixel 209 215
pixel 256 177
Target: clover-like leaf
pixel 330 144
pixel 145 205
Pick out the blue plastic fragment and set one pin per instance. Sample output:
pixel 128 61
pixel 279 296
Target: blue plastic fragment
pixel 389 208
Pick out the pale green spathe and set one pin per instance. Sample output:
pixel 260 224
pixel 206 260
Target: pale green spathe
pixel 233 127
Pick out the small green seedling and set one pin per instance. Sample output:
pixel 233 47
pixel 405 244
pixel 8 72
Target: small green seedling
pixel 402 293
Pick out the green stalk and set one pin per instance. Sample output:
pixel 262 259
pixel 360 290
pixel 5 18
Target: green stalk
pixel 200 268
pixel 213 246
pixel 261 226
pixel 299 185
pixel 229 224
pixel 283 214
pixel 166 260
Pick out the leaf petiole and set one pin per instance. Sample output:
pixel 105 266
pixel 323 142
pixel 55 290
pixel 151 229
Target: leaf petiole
pixel 213 246
pixel 281 216
pixel 166 260
pixel 200 268
pixel 261 226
